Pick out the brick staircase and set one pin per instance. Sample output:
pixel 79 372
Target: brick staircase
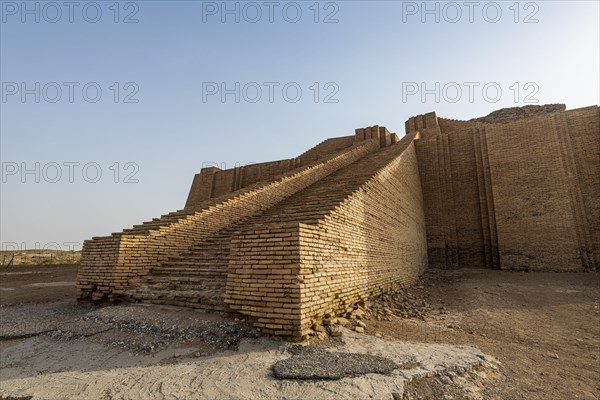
pixel 197 278
pixel 326 149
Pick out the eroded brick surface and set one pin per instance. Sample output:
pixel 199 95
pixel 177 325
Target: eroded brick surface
pixel 520 194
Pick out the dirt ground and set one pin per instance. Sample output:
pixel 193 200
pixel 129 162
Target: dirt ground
pixel 28 284
pixel 542 328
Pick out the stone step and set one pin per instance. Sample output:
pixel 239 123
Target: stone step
pixel 212 278
pixel 206 295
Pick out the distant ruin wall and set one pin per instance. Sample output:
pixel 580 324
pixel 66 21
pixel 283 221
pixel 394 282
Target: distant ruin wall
pixel 513 195
pixel 511 114
pixel 325 148
pixel 214 182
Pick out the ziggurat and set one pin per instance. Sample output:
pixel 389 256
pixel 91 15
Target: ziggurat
pixel 286 242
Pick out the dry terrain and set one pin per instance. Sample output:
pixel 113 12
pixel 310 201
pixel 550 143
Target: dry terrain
pixel 476 334
pixel 544 328
pixel 38 257
pixel 26 284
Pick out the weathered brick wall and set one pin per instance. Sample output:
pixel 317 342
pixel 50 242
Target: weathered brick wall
pixel 96 273
pixel 288 275
pixel 264 277
pixel 377 132
pixel 373 242
pixel 456 184
pixel 432 177
pixel 466 197
pixel 519 194
pixel 584 135
pixel 110 265
pixel 214 182
pixel 541 216
pixel 512 114
pixel 448 126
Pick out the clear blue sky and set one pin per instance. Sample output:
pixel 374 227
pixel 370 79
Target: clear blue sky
pixel 368 61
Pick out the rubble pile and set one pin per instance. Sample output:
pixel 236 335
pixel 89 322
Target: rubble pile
pixel 410 303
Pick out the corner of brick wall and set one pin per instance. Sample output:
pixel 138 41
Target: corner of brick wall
pixel 514 195
pixel 373 242
pixel 286 277
pixel 263 277
pixel 99 258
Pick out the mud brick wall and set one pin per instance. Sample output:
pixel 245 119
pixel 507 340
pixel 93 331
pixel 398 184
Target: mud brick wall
pixel 373 242
pixel 514 113
pixel 130 256
pixel 584 135
pixel 456 184
pixel 213 182
pixel 513 195
pixel 99 259
pixel 377 132
pixel 544 191
pixel 421 122
pixel 263 279
pixel 469 237
pixel 288 276
pixel 448 126
pixel 431 184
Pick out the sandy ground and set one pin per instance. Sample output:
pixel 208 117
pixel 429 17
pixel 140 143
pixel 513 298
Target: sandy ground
pixel 485 335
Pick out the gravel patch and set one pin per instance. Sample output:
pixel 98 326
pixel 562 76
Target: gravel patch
pixel 318 364
pixel 134 328
pixel 21 321
pixel 163 331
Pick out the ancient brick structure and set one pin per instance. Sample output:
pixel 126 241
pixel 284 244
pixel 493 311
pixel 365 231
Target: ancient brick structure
pixel 520 193
pixel 289 241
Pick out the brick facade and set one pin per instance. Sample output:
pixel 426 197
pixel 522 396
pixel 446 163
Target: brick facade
pixel 519 194
pixel 290 241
